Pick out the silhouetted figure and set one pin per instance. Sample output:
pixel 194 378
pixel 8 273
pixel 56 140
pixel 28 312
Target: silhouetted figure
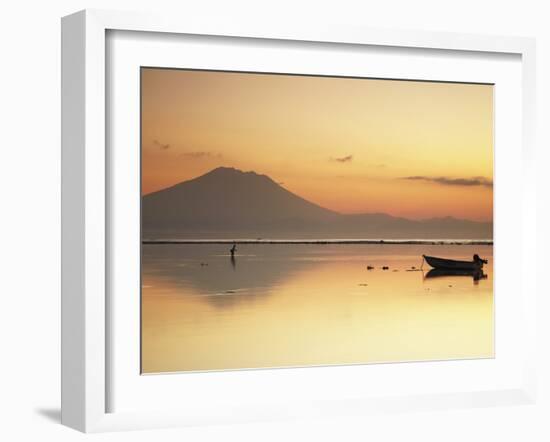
pixel 478 260
pixel 233 250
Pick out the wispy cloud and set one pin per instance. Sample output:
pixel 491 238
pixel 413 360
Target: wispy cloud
pixel 198 154
pixel 191 154
pixel 160 145
pixel 447 181
pixel 345 159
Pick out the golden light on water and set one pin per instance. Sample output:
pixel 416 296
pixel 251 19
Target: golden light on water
pixel 311 308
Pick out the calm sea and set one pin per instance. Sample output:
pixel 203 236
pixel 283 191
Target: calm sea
pixel 282 305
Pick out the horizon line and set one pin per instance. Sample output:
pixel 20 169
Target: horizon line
pixel 324 241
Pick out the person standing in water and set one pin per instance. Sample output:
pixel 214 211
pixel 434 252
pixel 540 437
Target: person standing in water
pixel 232 250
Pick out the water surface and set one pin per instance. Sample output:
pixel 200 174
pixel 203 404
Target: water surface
pixel 280 305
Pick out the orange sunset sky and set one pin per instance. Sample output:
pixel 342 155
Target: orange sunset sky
pixel 406 148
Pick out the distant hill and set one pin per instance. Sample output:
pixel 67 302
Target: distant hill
pixel 229 203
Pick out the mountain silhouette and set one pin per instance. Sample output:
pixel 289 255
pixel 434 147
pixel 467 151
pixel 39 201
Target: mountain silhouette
pixel 227 203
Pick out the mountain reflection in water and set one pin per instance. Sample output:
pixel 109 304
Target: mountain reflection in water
pixel 277 305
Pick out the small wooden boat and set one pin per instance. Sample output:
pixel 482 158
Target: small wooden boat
pixel 451 264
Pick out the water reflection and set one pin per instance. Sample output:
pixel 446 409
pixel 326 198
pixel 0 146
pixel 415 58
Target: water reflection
pixel 211 273
pixel 476 275
pixel 294 305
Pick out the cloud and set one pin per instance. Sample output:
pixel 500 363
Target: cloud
pixel 345 159
pixel 160 145
pixel 474 181
pixel 198 154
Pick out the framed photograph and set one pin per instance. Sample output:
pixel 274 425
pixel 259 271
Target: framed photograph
pixel 265 223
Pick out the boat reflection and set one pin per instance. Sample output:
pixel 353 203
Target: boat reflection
pixel 476 275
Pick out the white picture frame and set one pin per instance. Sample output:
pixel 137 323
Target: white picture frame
pixel 86 206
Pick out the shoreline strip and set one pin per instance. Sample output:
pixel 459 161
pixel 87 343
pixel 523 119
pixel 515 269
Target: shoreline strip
pixel 480 242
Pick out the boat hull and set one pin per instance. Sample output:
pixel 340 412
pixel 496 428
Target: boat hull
pixel 451 264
